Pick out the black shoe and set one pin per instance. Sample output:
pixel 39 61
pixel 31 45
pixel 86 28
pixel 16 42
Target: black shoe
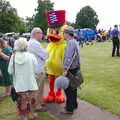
pixel 73 108
pixel 66 112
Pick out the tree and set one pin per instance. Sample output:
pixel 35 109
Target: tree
pixel 39 19
pixel 9 20
pixel 69 23
pixel 86 18
pixel 29 23
pixel 20 26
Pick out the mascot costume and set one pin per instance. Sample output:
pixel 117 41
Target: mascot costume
pixel 56 48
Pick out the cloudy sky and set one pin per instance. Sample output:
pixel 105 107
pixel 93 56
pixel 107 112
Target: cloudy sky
pixel 107 10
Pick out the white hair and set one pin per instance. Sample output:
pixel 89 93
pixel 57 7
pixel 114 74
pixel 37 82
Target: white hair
pixel 35 30
pixel 21 44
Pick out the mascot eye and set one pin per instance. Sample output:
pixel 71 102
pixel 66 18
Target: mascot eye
pixel 51 31
pixel 57 31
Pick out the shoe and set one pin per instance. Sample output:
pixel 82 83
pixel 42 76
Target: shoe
pixel 66 112
pixel 41 109
pixel 74 107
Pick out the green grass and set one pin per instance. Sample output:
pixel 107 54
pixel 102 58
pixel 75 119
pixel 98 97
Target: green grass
pixel 102 77
pixel 8 111
pixel 102 82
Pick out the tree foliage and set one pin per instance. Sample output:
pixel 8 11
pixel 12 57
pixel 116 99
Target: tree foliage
pixel 9 20
pixel 39 19
pixel 69 23
pixel 87 18
pixel 29 23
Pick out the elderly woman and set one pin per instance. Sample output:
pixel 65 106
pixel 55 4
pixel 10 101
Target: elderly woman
pixel 23 67
pixel 5 53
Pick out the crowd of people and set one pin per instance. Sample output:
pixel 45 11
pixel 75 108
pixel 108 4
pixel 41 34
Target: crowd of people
pixel 103 35
pixel 23 66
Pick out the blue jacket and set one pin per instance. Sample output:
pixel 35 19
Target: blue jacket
pixel 114 33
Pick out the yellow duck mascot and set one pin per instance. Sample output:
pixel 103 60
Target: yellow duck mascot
pixel 56 48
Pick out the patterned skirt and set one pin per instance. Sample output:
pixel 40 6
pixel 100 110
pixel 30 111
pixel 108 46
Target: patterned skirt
pixel 25 102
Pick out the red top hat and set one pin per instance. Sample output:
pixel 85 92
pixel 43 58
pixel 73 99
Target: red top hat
pixel 56 18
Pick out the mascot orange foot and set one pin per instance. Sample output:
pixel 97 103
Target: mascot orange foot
pixel 59 97
pixel 52 97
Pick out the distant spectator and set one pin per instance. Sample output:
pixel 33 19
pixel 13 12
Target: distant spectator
pixel 109 33
pixel 115 41
pixel 10 41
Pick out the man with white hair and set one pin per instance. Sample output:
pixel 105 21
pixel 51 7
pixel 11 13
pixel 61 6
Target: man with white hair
pixel 41 55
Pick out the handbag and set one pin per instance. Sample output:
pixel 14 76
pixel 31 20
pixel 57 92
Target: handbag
pixel 13 91
pixel 13 94
pixel 75 76
pixel 76 79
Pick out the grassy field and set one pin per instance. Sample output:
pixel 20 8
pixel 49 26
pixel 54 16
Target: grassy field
pixel 102 77
pixel 102 82
pixel 8 111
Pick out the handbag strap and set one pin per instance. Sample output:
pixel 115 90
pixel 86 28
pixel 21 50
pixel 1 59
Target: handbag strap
pixel 12 75
pixel 73 57
pixel 14 64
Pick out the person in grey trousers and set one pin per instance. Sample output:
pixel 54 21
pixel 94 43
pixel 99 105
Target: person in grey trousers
pixel 71 49
pixel 36 48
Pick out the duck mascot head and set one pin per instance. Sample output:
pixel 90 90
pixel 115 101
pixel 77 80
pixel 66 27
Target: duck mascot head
pixel 55 48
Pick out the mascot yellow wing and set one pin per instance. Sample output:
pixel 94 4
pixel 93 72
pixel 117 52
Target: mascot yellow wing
pixel 56 56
